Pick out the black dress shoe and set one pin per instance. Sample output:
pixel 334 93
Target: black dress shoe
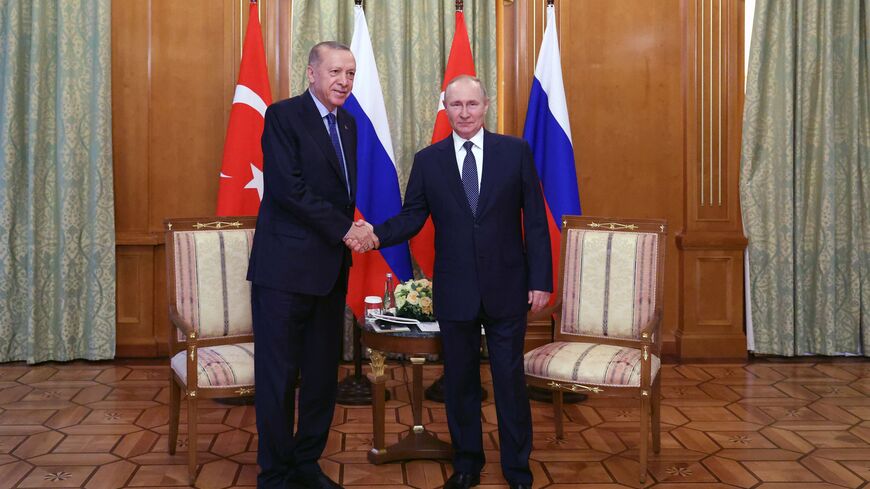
pixel 461 480
pixel 319 481
pixel 521 486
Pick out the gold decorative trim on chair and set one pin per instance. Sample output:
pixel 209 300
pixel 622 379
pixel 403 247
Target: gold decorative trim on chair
pixel 218 225
pixel 612 225
pixel 574 387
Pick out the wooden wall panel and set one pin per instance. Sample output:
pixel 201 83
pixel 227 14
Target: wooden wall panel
pixel 130 115
pixel 174 69
pixel 135 311
pixel 189 102
pixel 713 232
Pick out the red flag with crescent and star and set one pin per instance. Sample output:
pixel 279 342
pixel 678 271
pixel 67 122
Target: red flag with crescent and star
pixel 241 179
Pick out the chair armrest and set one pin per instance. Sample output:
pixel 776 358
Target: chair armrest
pixel 190 335
pixel 555 317
pixel 180 323
pixel 648 331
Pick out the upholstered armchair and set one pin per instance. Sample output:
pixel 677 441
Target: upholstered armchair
pixel 606 334
pixel 212 341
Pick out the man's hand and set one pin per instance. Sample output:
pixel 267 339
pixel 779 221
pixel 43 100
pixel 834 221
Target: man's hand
pixel 361 237
pixel 538 299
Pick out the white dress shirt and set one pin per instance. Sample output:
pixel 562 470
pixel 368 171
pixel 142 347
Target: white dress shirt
pixel 476 150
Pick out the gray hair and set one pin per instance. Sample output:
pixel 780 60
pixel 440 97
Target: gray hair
pixel 467 77
pixel 314 53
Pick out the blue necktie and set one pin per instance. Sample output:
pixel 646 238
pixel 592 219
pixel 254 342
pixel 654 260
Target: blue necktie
pixel 469 177
pixel 333 134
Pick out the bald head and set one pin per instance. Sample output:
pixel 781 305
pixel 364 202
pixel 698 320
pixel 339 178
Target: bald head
pixel 463 79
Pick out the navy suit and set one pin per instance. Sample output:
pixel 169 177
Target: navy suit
pixel 485 265
pixel 298 269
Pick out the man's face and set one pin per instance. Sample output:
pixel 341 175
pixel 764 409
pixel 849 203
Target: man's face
pixel 466 107
pixel 331 79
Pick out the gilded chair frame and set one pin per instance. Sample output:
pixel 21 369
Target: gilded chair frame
pixel 648 341
pixel 190 390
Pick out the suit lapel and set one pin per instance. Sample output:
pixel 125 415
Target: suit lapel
pixel 314 123
pixel 487 180
pixel 450 170
pixel 348 141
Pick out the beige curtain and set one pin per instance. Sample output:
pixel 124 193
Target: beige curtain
pixel 411 41
pixel 57 218
pixel 805 177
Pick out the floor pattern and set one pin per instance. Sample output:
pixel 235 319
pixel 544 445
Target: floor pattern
pixel 765 424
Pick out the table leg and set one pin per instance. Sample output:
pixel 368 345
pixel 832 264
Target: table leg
pixel 417 392
pixel 419 443
pixel 378 380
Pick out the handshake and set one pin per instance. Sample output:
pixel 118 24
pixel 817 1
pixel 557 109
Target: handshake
pixel 361 237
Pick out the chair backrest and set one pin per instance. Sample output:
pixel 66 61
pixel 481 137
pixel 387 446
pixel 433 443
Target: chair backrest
pixel 207 264
pixel 611 275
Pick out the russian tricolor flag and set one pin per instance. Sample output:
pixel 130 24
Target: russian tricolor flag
pixel 549 134
pixel 378 195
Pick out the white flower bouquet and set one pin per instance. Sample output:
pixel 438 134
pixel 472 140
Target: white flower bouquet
pixel 414 300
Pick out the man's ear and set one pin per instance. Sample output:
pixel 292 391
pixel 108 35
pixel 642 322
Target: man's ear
pixel 310 72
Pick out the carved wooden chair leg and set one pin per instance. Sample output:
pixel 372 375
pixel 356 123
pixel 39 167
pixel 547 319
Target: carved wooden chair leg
pixel 174 411
pixel 644 435
pixel 557 414
pixel 191 437
pixel 656 408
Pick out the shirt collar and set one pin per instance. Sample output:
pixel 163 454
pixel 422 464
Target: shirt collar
pixel 322 108
pixel 476 140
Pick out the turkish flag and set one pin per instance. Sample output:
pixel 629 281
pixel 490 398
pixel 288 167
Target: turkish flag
pixel 460 62
pixel 241 179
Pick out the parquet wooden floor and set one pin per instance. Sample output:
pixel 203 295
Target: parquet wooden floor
pixel 766 424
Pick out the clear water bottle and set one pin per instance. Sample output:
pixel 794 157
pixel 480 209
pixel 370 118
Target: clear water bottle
pixel 389 300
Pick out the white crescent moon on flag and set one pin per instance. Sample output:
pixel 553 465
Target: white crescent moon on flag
pixel 245 95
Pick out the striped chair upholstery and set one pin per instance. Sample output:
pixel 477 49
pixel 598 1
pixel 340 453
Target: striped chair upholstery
pixel 212 292
pixel 219 366
pixel 587 363
pixel 610 283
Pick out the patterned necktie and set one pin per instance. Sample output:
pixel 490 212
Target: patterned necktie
pixel 469 177
pixel 333 134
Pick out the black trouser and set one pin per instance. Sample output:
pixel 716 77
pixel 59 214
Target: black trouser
pixel 462 395
pixel 295 334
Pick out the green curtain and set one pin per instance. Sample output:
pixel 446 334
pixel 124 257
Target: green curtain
pixel 57 256
pixel 411 41
pixel 805 177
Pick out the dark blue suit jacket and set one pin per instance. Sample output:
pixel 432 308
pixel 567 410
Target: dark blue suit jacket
pixel 306 210
pixel 482 259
